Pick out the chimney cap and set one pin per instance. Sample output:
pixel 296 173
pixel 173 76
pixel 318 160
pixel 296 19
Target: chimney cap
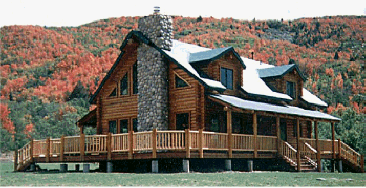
pixel 156 10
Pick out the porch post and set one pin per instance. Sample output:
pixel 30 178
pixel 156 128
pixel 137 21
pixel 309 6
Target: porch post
pixel 333 148
pixel 318 159
pixel 15 160
pixel 255 155
pixel 278 132
pixel 48 148
pixel 229 131
pixel 298 143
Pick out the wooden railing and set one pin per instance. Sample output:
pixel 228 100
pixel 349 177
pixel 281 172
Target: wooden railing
pixel 120 142
pixel 350 154
pixel 267 143
pixel 160 141
pixel 242 142
pixel 96 144
pixel 288 152
pixel 170 140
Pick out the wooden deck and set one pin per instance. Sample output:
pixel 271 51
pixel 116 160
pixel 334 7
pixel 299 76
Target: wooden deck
pixel 181 144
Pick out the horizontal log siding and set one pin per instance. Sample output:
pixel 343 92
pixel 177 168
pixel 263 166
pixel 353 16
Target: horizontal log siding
pixel 184 100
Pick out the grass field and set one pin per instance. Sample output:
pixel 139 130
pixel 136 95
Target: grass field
pixel 8 178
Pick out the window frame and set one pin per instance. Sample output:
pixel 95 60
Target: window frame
pixel 293 89
pixel 181 113
pixel 225 82
pixel 134 83
pixel 120 86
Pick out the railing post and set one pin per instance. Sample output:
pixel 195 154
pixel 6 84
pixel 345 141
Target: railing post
pixel 82 147
pixel 255 155
pixel 200 143
pixel 109 146
pixel 154 137
pixel 333 142
pixel 339 149
pixel 130 145
pixel 62 142
pixel 318 156
pixel 48 148
pixel 15 160
pixel 278 133
pixel 229 131
pixel 188 143
pixel 298 144
pixel 362 164
pixel 31 150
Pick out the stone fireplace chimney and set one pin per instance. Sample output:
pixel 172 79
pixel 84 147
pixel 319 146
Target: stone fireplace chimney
pixel 153 72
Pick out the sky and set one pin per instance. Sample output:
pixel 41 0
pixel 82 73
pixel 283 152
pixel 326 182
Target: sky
pixel 78 12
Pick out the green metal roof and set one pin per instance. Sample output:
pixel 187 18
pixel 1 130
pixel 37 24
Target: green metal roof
pixel 210 55
pixel 279 71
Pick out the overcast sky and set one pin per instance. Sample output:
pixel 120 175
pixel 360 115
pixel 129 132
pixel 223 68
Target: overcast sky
pixel 78 12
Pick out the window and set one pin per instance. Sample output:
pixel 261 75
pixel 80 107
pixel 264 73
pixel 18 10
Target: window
pixel 134 79
pixel 179 82
pixel 124 85
pixel 123 126
pixel 114 93
pixel 182 121
pixel 290 89
pixel 227 78
pixel 134 124
pixel 214 124
pixel 113 127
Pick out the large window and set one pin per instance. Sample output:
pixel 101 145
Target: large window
pixel 182 121
pixel 291 89
pixel 113 127
pixel 227 78
pixel 134 79
pixel 124 85
pixel 123 126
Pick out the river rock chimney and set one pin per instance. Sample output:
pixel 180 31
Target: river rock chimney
pixel 153 72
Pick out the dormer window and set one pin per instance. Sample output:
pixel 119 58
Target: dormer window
pixel 227 78
pixel 291 89
pixel 179 82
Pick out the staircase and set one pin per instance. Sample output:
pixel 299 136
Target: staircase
pixel 289 154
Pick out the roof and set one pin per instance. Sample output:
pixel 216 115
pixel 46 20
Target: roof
pixel 266 107
pixel 179 54
pixel 279 71
pixel 254 85
pixel 210 55
pixel 310 98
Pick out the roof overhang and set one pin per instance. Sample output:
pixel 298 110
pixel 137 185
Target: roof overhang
pixel 282 71
pixel 88 119
pixel 267 108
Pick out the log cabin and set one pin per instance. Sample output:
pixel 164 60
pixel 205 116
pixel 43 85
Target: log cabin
pixel 165 99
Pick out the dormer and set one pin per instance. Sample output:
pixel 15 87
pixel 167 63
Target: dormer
pixel 222 64
pixel 286 79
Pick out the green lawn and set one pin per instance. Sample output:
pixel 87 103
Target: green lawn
pixel 8 178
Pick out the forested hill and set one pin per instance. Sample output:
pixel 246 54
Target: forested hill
pixel 49 73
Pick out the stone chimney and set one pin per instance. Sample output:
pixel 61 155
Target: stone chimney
pixel 153 72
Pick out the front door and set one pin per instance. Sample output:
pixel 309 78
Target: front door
pixel 283 129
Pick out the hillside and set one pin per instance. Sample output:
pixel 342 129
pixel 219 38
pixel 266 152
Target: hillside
pixel 48 74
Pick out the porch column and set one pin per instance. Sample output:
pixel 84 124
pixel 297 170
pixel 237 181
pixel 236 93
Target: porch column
pixel 255 155
pixel 278 133
pixel 333 148
pixel 318 160
pixel 298 143
pixel 229 131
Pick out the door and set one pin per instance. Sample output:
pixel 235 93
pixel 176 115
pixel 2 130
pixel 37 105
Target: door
pixel 283 129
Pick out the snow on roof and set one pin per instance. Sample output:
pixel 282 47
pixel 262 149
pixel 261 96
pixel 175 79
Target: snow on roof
pixel 310 98
pixel 253 84
pixel 181 51
pixel 261 106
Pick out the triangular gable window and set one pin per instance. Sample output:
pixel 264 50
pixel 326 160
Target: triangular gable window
pixel 179 82
pixel 114 93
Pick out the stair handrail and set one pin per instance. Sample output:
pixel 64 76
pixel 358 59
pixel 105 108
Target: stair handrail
pixel 288 152
pixel 350 154
pixel 312 152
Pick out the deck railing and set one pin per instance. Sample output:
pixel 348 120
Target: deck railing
pixel 175 140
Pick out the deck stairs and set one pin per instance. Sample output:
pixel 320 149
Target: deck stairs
pixel 289 154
